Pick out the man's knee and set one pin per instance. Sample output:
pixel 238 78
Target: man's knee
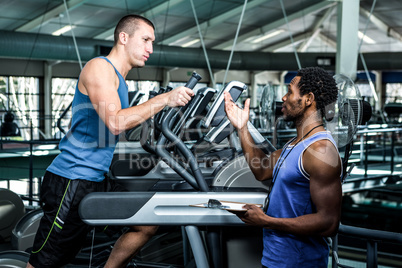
pixel 150 230
pixel 145 230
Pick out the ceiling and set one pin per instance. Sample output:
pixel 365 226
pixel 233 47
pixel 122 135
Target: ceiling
pixel 311 24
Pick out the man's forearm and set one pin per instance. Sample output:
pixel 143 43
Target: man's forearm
pixel 311 224
pixel 133 116
pixel 258 161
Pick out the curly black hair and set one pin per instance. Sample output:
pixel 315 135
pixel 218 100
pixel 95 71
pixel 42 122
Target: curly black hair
pixel 322 85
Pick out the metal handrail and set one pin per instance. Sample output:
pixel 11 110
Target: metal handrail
pixel 31 155
pixel 371 236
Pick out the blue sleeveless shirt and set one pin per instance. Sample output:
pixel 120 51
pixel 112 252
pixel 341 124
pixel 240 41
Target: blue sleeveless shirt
pixel 290 198
pixel 87 148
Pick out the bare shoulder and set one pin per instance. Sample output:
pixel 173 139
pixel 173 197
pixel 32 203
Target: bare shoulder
pixel 97 66
pixel 96 75
pixel 321 155
pixel 321 148
pixel 98 71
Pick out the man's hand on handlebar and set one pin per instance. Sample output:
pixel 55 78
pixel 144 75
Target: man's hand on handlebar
pixel 180 96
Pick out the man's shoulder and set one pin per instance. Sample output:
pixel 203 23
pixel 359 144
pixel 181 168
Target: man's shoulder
pixel 97 67
pixel 324 147
pixel 322 144
pixel 321 151
pixel 96 62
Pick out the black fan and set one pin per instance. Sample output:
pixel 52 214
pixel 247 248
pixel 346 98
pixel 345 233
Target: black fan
pixel 347 113
pixel 269 108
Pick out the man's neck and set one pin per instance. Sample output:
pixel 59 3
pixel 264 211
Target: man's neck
pixel 306 124
pixel 114 57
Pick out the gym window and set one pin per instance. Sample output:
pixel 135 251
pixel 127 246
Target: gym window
pixel 20 95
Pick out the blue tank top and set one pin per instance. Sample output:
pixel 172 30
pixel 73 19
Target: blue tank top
pixel 87 148
pixel 290 198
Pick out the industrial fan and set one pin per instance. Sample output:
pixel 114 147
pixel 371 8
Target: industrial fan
pixel 345 115
pixel 349 111
pixel 269 109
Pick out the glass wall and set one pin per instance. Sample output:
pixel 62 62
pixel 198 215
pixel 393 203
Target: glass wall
pixel 144 87
pixel 20 96
pixel 393 103
pixel 62 95
pixel 393 93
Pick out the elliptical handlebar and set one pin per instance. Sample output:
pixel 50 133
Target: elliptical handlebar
pixel 197 181
pixel 193 80
pixel 157 121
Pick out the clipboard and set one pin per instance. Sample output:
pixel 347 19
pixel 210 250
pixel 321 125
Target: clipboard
pixel 225 205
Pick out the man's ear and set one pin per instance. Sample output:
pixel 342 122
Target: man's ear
pixel 123 37
pixel 309 98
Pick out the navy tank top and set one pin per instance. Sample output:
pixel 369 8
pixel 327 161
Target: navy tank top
pixel 87 148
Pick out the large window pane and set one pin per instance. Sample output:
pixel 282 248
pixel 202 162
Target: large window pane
pixel 3 93
pixel 62 95
pixel 143 87
pixel 394 92
pixel 20 96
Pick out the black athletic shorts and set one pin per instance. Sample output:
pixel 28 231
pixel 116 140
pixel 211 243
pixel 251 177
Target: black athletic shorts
pixel 62 233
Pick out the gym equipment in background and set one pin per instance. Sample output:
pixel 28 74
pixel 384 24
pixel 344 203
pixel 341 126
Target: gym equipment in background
pixel 11 211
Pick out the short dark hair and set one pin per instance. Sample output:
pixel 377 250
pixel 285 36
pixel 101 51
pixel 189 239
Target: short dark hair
pixel 322 84
pixel 129 24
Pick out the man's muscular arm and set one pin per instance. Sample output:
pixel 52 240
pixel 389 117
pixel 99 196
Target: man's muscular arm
pixel 99 81
pixel 260 164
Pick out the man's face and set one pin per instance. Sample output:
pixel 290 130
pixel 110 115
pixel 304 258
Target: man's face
pixel 292 107
pixel 140 45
